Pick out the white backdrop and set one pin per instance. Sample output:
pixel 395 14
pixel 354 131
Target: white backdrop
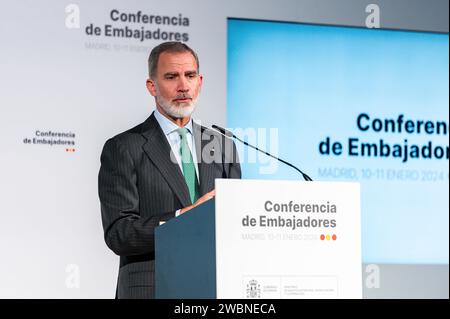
pixel 56 78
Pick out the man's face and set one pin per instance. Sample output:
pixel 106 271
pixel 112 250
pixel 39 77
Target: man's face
pixel 176 84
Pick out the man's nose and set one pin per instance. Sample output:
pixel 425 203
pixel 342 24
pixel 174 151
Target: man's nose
pixel 183 84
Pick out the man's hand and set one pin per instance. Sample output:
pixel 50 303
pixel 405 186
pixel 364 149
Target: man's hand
pixel 199 201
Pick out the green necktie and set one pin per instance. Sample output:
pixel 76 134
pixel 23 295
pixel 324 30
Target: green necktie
pixel 188 166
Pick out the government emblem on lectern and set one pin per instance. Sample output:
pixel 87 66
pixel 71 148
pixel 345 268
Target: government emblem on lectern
pixel 253 289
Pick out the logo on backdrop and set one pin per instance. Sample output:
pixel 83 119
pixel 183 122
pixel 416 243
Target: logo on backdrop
pixel 137 25
pixel 49 138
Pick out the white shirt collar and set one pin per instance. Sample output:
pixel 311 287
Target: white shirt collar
pixel 168 126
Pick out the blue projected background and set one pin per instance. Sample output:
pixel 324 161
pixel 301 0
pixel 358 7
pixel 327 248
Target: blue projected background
pixel 310 83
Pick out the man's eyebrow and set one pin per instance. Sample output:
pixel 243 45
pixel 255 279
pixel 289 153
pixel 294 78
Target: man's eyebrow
pixel 191 72
pixel 170 73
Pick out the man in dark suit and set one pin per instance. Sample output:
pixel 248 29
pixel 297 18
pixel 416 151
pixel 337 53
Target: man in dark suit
pixel 160 168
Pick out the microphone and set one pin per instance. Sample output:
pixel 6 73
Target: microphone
pixel 229 134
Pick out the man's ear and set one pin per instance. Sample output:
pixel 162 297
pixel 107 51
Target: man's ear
pixel 201 80
pixel 151 86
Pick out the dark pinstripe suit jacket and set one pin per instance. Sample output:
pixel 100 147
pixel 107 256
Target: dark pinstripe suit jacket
pixel 139 186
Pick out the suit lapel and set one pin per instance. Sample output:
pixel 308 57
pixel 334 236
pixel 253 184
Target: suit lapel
pixel 158 150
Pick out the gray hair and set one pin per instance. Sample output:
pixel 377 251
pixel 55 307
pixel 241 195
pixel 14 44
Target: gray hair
pixel 171 47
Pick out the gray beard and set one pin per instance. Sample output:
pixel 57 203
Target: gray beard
pixel 177 111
